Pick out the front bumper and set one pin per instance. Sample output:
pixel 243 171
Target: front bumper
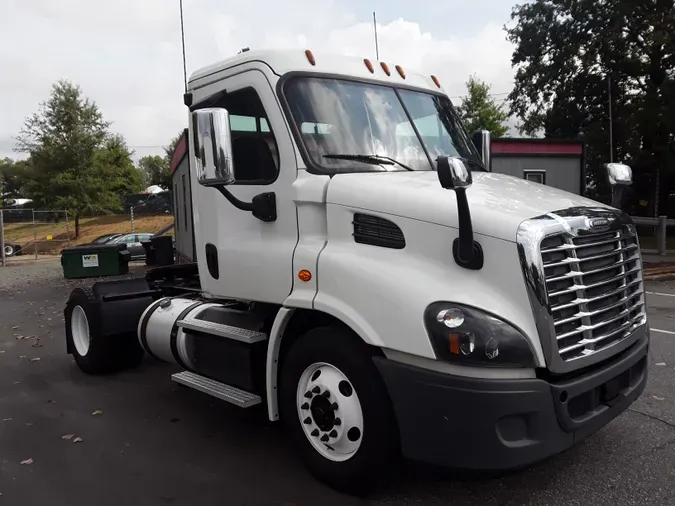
pixel 487 424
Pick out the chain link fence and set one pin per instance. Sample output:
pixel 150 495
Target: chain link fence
pixel 33 232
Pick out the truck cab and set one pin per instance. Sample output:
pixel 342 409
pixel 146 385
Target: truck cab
pixel 359 271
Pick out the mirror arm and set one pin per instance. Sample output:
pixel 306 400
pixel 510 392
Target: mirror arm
pixel 467 252
pixel 263 206
pixel 617 196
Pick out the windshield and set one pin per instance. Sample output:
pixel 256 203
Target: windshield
pixel 337 117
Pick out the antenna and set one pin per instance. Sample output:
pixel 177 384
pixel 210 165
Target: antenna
pixel 182 34
pixel 377 49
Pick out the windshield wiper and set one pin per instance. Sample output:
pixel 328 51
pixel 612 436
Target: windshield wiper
pixel 372 159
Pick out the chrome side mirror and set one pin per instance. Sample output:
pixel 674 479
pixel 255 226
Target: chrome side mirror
pixel 619 174
pixel 453 173
pixel 213 146
pixel 482 139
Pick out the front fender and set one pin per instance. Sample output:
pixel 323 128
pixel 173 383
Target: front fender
pixel 382 293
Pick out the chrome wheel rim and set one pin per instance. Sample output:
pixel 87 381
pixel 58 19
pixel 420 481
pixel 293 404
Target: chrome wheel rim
pixel 79 327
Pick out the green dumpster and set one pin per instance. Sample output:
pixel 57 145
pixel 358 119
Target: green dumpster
pixel 94 260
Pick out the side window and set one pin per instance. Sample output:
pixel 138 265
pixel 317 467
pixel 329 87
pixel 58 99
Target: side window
pixel 535 175
pixel 254 148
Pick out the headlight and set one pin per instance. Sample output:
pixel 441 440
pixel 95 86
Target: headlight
pixel 469 336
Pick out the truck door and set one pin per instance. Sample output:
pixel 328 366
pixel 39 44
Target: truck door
pixel 254 258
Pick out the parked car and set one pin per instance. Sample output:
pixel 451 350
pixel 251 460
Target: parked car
pixel 133 242
pixel 12 249
pixel 105 238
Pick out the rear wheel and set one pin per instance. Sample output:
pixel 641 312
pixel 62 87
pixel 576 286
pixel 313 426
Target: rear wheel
pixel 94 352
pixel 9 250
pixel 338 411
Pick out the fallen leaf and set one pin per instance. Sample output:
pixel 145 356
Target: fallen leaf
pixel 27 462
pixel 97 412
pixel 68 436
pixel 661 364
pixel 36 359
pixel 2 351
pixel 657 398
pixel 22 356
pixel 16 383
pixel 38 345
pixel 30 424
pixel 77 440
pixel 6 419
pixel 16 327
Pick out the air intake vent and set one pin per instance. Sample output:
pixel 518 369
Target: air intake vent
pixel 377 232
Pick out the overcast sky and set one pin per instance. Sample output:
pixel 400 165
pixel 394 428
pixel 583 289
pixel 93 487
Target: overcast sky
pixel 126 54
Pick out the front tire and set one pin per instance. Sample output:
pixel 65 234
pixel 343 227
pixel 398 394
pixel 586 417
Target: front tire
pixel 338 412
pixel 94 352
pixel 9 250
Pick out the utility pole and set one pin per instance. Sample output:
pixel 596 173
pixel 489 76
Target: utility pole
pixel 377 49
pixel 611 121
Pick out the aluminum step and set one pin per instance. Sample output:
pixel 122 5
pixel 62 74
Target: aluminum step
pixel 228 393
pixel 219 329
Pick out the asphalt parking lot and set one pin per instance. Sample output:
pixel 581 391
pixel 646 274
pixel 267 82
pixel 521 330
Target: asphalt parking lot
pixel 137 438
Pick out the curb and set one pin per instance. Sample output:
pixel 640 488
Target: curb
pixel 660 277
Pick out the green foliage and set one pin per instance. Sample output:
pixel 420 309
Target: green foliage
pixel 567 56
pixel 171 147
pixel 155 170
pixel 75 163
pixel 479 111
pixel 13 176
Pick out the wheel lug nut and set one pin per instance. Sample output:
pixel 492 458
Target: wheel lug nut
pixel 316 390
pixel 307 421
pixel 334 406
pixel 304 406
pixel 315 432
pixel 326 394
pixel 337 422
pixel 333 433
pixel 324 438
pixel 308 394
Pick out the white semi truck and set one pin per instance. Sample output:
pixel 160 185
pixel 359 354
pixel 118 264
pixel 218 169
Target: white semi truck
pixel 361 273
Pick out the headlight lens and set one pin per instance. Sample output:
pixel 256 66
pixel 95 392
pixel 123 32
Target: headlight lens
pixel 469 336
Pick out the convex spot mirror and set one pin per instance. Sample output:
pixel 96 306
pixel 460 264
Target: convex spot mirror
pixel 453 173
pixel 213 146
pixel 619 174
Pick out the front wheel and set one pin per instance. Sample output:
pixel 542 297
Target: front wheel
pixel 9 250
pixel 338 411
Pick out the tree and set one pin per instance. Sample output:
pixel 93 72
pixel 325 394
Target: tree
pixel 156 170
pixel 570 55
pixel 171 147
pixel 75 163
pixel 479 111
pixel 13 176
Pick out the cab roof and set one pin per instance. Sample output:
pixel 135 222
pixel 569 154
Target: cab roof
pixel 297 60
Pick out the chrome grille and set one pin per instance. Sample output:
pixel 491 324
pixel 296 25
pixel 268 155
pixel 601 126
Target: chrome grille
pixel 594 289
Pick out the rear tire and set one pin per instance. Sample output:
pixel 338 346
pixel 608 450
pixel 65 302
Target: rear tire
pixel 95 353
pixel 361 451
pixel 9 250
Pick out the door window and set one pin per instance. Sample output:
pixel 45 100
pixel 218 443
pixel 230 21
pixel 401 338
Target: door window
pixel 535 175
pixel 254 147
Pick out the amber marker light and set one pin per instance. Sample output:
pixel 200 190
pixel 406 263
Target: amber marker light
pixel 310 57
pixel 385 67
pixel 369 65
pixel 304 275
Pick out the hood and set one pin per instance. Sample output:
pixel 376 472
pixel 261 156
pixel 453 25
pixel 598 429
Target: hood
pixel 499 203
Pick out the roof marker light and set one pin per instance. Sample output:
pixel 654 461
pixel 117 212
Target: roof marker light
pixel 436 81
pixel 369 65
pixel 310 57
pixel 400 71
pixel 385 67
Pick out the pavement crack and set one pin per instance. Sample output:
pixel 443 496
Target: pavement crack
pixel 653 417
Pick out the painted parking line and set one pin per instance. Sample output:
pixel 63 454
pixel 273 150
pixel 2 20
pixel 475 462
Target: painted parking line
pixel 661 294
pixel 663 331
